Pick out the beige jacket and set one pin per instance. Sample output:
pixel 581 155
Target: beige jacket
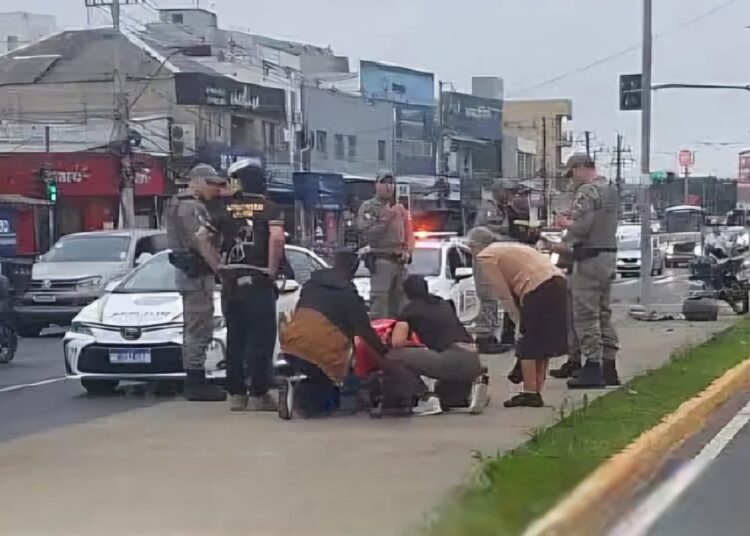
pixel 511 271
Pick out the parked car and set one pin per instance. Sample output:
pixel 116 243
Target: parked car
pixel 134 331
pixel 75 272
pixel 629 252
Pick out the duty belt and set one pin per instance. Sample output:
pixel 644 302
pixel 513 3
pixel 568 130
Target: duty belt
pixel 582 253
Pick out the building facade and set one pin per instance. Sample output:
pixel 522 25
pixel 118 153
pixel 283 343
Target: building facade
pixel 546 123
pixel 19 29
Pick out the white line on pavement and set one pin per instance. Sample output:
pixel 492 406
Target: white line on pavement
pixel 26 385
pixel 639 521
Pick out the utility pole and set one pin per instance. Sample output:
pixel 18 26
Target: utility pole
pixel 121 142
pixel 618 161
pixel 440 168
pixel 686 186
pixel 547 196
pixel 587 134
pixel 646 250
pixel 51 206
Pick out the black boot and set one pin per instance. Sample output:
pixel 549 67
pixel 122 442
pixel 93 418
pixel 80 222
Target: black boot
pixel 567 370
pixel 515 376
pixel 590 377
pixel 609 371
pixel 489 345
pixel 199 389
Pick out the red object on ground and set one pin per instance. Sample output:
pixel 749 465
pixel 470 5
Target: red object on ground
pixel 364 358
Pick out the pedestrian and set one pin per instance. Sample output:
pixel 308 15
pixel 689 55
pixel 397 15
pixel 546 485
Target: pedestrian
pixel 249 296
pixel 572 365
pixel 534 293
pixel 449 355
pixel 317 339
pixel 592 238
pixel 385 226
pixel 194 243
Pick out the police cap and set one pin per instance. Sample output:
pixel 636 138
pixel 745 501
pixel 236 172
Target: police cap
pixel 386 176
pixel 578 160
pixel 207 173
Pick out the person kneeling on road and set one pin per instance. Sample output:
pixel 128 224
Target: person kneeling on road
pixel 317 339
pixel 535 294
pixel 450 355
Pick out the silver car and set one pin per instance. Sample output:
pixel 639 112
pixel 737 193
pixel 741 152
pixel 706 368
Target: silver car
pixel 75 271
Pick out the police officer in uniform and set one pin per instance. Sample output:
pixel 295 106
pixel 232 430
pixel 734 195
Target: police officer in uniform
pixel 194 242
pixel 384 224
pixel 591 236
pixel 249 292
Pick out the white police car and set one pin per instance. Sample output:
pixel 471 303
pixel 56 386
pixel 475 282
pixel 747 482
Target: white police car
pixel 446 264
pixel 134 331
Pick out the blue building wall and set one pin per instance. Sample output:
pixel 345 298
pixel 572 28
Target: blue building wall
pixel 396 84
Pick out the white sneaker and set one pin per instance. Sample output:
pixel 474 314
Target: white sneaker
pixel 431 406
pixel 480 397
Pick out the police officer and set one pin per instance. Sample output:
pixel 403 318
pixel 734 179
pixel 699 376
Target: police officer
pixel 384 224
pixel 194 242
pixel 493 214
pixel 249 293
pixel 591 236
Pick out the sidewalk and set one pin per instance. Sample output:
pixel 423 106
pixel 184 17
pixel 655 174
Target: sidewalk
pixel 194 469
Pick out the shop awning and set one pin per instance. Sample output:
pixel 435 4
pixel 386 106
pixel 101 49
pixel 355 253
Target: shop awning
pixel 22 200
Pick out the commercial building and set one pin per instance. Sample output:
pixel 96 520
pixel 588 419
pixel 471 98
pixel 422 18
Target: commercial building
pixel 546 123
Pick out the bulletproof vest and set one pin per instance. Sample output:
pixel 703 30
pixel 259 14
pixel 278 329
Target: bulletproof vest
pixel 606 211
pixel 178 238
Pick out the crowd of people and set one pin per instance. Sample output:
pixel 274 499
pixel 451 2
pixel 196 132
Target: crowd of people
pixel 426 362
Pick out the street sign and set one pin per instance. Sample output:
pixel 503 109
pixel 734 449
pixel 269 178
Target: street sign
pixel 658 177
pixel 631 92
pixel 686 158
pixel 403 194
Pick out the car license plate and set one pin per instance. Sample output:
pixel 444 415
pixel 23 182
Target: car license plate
pixel 130 355
pixel 44 299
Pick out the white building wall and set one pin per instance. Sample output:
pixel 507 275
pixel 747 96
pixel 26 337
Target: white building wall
pixel 21 29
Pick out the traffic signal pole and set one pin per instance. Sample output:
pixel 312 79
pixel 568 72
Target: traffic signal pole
pixel 646 249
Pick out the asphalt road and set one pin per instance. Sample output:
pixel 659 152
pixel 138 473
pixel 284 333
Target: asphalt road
pixel 55 402
pixel 716 504
pixel 668 289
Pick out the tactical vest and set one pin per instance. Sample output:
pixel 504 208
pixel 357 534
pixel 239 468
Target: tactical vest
pixel 603 233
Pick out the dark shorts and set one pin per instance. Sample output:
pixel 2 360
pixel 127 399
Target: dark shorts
pixel 544 323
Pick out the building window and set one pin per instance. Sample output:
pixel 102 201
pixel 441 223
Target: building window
pixel 269 135
pixel 12 42
pixel 339 146
pixel 351 148
pixel 382 149
pixel 321 143
pixel 177 18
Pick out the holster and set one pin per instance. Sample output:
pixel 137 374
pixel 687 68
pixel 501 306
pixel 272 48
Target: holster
pixel 191 263
pixel 581 253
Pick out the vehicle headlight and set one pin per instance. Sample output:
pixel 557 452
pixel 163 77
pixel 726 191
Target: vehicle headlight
pixel 620 261
pixel 77 327
pixel 698 250
pixel 90 283
pixel 670 249
pixel 219 323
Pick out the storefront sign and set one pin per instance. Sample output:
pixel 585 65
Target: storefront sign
pixel 199 89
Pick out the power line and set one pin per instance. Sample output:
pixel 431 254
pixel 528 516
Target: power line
pixel 626 50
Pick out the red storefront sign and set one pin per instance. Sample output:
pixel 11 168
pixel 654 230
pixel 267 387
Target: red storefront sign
pixel 77 174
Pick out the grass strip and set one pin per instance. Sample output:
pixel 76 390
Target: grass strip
pixel 511 490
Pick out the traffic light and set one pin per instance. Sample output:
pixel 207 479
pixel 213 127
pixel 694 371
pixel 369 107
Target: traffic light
pixel 631 92
pixel 51 191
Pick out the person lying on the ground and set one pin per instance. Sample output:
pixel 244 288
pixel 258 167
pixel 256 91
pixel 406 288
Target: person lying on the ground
pixel 449 355
pixel 534 292
pixel 319 335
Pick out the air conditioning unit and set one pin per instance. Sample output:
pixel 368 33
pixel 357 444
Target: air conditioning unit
pixel 183 140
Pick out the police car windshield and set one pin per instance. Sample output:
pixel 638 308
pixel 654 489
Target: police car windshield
pixel 89 249
pixel 155 275
pixel 425 262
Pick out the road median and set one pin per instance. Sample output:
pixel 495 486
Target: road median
pixel 565 479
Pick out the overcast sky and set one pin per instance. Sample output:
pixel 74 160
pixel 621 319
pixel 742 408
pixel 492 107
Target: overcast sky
pixel 530 42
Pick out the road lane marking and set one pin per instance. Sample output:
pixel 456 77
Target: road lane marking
pixel 34 384
pixel 641 520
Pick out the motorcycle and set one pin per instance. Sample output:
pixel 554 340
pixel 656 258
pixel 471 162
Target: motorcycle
pixel 720 274
pixel 8 333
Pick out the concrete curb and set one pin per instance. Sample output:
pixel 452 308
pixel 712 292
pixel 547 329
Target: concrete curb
pixel 617 479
